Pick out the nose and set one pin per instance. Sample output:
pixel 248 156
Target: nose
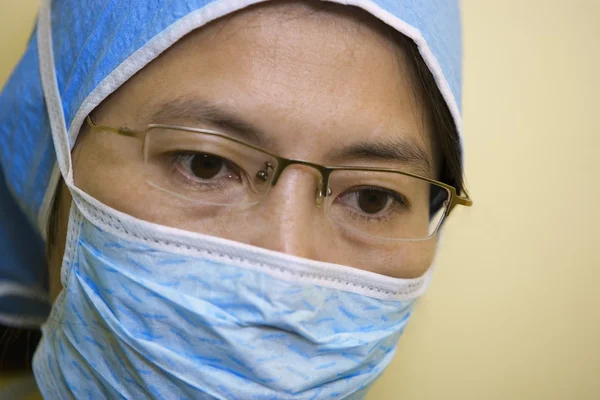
pixel 288 218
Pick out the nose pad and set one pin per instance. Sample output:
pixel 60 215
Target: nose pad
pixel 285 220
pixel 320 196
pixel 264 174
pixel 321 192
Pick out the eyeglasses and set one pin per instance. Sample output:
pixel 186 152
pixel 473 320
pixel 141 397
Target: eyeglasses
pixel 207 167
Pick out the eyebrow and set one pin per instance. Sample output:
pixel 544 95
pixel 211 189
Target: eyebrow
pixel 195 110
pixel 398 149
pixel 205 112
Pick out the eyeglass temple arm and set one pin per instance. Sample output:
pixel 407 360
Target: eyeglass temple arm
pixel 463 200
pixel 120 131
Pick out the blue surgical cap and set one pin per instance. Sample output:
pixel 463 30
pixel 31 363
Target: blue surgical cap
pixel 82 51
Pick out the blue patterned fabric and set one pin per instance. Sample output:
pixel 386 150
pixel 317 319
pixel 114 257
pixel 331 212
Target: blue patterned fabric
pixel 144 315
pixel 99 44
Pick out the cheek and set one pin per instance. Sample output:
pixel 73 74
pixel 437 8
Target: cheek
pixel 421 256
pixel 406 260
pixel 111 169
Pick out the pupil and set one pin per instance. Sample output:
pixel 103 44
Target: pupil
pixel 206 166
pixel 372 201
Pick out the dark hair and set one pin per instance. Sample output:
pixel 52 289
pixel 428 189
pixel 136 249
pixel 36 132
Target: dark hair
pixel 444 130
pixel 17 346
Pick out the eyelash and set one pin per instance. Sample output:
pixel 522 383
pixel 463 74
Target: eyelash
pixel 176 159
pixel 398 200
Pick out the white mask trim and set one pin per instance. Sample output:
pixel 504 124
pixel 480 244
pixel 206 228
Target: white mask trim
pixel 20 321
pixel 8 289
pixel 273 263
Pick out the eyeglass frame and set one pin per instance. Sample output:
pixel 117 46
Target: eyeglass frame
pixel 283 163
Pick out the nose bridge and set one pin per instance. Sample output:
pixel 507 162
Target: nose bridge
pixel 291 219
pixel 323 175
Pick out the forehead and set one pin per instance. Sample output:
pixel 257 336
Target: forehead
pixel 314 75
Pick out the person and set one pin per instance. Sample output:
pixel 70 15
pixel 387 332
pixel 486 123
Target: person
pixel 242 201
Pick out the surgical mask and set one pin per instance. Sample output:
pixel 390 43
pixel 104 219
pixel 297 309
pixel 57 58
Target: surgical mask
pixel 149 311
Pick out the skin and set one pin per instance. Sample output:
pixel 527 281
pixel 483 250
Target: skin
pixel 313 79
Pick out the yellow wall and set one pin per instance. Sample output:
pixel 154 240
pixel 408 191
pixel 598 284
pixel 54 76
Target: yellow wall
pixel 513 312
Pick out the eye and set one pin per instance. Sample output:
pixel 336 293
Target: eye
pixel 205 166
pixel 372 200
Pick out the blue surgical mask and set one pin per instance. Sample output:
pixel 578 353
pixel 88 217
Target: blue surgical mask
pixel 154 312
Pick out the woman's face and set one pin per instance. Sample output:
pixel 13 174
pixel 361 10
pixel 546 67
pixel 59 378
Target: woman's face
pixel 327 86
